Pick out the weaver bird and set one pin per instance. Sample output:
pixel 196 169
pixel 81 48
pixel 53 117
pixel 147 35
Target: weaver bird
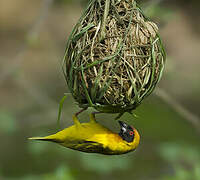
pixel 92 137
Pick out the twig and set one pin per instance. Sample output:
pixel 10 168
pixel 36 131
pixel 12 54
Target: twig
pixel 79 112
pixel 182 111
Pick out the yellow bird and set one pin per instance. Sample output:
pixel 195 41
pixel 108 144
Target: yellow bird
pixel 92 137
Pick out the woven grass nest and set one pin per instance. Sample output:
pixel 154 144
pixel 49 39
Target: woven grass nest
pixel 114 57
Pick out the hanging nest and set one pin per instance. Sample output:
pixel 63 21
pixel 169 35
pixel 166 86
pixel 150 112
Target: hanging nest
pixel 114 57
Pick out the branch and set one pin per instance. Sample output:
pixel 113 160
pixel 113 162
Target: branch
pixel 182 111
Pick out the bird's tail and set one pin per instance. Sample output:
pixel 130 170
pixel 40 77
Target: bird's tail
pixel 51 138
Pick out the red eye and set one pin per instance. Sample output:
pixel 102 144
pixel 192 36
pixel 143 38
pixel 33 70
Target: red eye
pixel 131 133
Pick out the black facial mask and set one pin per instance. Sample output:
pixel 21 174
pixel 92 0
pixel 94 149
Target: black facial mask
pixel 126 132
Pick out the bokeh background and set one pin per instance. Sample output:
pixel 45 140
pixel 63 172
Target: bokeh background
pixel 33 35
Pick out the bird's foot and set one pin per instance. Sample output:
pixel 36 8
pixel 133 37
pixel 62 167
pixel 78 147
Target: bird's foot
pixel 76 121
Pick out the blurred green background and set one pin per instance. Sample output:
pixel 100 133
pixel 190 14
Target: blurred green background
pixel 33 35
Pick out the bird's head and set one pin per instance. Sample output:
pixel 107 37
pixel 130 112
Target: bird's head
pixel 127 132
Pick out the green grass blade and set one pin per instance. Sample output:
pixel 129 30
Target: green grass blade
pixel 60 111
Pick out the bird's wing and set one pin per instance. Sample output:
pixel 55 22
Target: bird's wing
pixel 89 146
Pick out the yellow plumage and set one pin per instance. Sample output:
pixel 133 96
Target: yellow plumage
pixel 92 137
